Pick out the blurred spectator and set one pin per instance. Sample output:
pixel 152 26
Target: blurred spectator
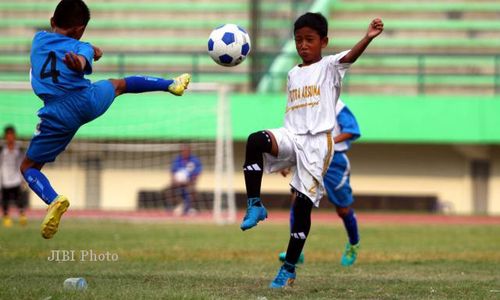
pixel 185 170
pixel 10 176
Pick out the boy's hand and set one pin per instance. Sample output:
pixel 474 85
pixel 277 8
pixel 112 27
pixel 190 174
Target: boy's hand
pixel 74 62
pixel 375 28
pixel 97 53
pixel 285 172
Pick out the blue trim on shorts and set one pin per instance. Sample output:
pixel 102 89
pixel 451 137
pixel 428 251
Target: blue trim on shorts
pixel 340 196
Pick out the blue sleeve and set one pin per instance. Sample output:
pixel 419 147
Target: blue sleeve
pixel 198 167
pixel 86 50
pixel 176 164
pixel 348 123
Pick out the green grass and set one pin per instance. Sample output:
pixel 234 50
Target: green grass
pixel 180 261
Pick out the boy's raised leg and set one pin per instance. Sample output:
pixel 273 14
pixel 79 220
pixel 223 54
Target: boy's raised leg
pixel 141 84
pixel 258 143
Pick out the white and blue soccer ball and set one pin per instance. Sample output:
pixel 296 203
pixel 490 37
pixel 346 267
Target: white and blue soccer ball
pixel 229 45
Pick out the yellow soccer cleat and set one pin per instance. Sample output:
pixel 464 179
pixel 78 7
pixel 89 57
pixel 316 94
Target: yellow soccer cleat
pixel 54 213
pixel 7 222
pixel 23 220
pixel 180 84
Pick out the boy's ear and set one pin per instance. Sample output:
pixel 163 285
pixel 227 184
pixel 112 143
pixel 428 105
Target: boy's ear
pixel 81 29
pixel 324 42
pixel 77 32
pixel 52 23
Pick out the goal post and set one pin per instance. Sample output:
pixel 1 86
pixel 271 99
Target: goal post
pixel 127 153
pixel 224 198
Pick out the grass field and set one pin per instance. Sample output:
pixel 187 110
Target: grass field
pixel 204 261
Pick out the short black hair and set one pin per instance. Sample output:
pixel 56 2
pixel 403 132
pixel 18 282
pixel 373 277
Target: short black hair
pixel 9 128
pixel 71 13
pixel 316 21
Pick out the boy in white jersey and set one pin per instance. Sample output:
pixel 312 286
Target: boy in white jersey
pixel 337 182
pixel 305 142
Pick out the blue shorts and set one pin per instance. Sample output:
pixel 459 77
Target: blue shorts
pixel 337 179
pixel 61 118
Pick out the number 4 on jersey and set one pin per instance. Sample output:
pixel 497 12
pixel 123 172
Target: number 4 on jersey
pixel 54 73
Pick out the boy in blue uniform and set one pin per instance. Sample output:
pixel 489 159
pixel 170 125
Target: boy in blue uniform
pixel 59 61
pixel 337 181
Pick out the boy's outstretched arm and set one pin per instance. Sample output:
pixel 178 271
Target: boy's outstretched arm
pixel 97 53
pixel 374 29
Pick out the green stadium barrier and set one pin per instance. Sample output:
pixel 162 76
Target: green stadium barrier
pixel 400 119
pixel 201 58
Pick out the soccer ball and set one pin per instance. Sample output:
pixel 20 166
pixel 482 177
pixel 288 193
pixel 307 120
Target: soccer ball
pixel 229 45
pixel 181 176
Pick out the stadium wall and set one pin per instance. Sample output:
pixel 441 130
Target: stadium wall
pixel 494 197
pixel 410 145
pixel 441 171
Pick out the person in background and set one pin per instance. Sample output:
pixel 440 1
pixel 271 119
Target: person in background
pixel 186 167
pixel 11 156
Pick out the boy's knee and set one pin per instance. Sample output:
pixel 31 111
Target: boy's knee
pixel 25 165
pixel 119 85
pixel 28 164
pixel 342 212
pixel 260 141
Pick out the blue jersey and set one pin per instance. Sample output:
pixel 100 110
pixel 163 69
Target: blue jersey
pixel 51 79
pixel 346 123
pixel 191 165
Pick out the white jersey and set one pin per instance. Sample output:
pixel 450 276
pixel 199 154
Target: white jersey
pixel 312 95
pixel 10 161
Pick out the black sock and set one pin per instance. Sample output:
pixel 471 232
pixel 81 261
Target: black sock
pixel 289 267
pixel 257 144
pixel 301 225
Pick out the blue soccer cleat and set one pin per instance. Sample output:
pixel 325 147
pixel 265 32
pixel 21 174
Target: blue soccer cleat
pixel 349 255
pixel 283 278
pixel 254 214
pixel 282 257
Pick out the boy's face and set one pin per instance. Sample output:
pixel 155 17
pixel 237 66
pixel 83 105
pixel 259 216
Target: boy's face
pixel 185 152
pixel 10 137
pixel 309 45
